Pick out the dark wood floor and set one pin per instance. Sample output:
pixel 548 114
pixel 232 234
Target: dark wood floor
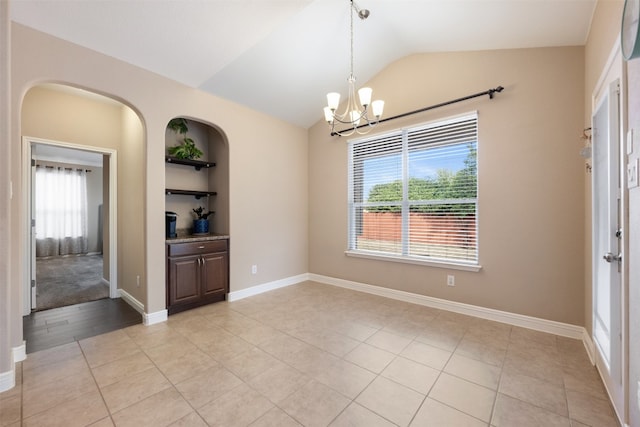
pixel 49 328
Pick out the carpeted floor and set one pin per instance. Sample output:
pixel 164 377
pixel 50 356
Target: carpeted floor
pixel 69 280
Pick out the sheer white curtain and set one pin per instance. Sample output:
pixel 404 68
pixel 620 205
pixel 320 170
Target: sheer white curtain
pixel 61 211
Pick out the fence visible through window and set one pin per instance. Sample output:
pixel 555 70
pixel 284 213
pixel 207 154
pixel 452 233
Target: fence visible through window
pixel 413 192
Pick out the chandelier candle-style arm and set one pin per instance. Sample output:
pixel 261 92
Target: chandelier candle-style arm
pixel 354 111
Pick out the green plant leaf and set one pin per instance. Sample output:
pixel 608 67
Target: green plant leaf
pixel 178 125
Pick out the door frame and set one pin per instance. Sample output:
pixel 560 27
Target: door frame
pixel 613 70
pixel 27 187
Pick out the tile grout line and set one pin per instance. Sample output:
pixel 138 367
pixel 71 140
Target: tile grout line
pixel 84 356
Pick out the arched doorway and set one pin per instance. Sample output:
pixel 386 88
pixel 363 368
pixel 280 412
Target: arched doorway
pixel 71 120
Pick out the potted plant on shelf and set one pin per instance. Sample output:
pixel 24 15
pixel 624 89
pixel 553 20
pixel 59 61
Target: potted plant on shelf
pixel 187 148
pixel 201 223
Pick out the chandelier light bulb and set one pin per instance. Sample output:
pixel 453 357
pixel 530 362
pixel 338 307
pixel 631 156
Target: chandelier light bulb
pixel 377 107
pixel 365 96
pixel 333 100
pixel 328 115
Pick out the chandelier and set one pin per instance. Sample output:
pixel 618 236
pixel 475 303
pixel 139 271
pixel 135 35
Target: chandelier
pixel 354 112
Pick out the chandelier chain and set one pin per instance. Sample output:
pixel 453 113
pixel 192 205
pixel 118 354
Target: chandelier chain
pixel 351 9
pixel 354 111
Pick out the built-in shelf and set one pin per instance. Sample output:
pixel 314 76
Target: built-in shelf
pixel 198 164
pixel 196 194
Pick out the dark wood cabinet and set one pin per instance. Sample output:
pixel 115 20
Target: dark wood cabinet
pixel 197 274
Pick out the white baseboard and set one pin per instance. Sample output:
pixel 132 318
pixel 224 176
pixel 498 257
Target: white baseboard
pixel 155 317
pixel 529 322
pixel 542 325
pixel 129 299
pixel 7 380
pixel 265 287
pixel 589 346
pixel 20 352
pixel 147 318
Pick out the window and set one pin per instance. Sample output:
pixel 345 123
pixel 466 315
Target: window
pixel 61 211
pixel 413 193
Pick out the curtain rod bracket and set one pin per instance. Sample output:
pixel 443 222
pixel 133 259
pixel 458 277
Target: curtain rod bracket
pixel 492 91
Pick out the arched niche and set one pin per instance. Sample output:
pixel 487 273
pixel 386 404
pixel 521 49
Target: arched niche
pixel 213 144
pixel 58 115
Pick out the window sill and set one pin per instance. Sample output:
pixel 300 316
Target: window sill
pixel 417 261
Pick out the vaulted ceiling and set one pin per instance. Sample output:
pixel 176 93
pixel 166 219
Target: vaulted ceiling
pixel 282 56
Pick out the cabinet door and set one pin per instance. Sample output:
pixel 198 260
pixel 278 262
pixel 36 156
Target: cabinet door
pixel 184 285
pixel 215 273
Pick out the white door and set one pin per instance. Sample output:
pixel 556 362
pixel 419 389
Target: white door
pixel 607 243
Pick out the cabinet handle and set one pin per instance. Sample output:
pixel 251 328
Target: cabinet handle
pixel 201 247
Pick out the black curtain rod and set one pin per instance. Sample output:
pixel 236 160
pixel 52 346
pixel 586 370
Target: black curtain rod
pixel 489 92
pixel 60 168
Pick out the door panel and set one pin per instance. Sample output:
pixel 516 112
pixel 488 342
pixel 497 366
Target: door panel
pixel 607 277
pixel 184 279
pixel 214 273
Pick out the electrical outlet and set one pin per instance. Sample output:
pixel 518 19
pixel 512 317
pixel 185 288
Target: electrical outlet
pixel 254 269
pixel 451 280
pixel 138 281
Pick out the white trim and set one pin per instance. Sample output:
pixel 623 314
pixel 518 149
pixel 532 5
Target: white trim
pixel 615 69
pixel 409 260
pixel 605 72
pixel 106 283
pixel 266 287
pixel 155 317
pixel 7 380
pixel 542 325
pixel 589 346
pixel 19 353
pixel 129 299
pixel 147 318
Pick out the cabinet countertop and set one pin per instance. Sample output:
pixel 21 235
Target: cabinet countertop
pixel 189 238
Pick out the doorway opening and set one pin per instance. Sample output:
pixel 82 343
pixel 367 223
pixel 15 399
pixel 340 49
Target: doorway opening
pixel 67 194
pixel 71 188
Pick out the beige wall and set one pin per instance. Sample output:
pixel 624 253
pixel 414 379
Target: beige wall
pixel 267 165
pixel 132 210
pixel 10 308
pixel 531 179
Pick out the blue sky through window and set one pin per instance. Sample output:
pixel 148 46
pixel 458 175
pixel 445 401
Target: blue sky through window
pixel 423 164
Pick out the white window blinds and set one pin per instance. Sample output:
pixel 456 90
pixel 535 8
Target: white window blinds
pixel 413 192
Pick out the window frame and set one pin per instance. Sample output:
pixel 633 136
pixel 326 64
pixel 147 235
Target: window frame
pixel 404 256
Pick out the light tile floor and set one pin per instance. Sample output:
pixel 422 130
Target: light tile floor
pixel 312 355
